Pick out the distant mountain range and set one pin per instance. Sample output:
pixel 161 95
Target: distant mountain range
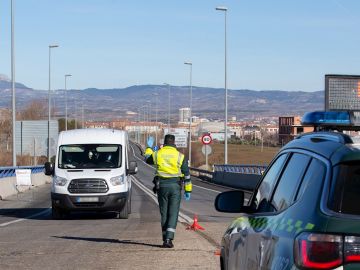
pixel 106 104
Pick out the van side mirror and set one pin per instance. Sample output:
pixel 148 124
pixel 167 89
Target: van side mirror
pixel 49 168
pixel 230 202
pixel 133 169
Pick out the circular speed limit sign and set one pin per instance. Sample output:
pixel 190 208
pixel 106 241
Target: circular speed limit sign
pixel 206 139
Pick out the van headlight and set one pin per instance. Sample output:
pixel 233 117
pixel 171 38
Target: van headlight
pixel 117 180
pixel 59 181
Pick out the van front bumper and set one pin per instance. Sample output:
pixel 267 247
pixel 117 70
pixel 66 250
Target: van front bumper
pixel 110 202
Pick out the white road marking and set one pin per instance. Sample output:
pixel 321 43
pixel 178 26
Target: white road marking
pixel 207 189
pixel 154 170
pixel 25 218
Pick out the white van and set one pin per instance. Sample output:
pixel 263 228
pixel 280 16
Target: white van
pixel 91 172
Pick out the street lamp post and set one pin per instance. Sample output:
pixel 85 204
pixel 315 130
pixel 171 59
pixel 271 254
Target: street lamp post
pixel 168 85
pixel 13 87
pixel 138 127
pixel 156 124
pixel 224 9
pixel 190 120
pixel 49 98
pixel 66 107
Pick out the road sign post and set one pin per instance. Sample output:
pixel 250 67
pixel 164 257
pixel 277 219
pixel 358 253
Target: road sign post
pixel 206 149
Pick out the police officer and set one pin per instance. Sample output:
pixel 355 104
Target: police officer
pixel 171 169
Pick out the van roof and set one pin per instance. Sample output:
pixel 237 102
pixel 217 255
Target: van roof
pixel 92 136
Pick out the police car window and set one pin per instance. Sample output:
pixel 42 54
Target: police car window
pixel 289 181
pixel 346 189
pixel 264 191
pixel 313 177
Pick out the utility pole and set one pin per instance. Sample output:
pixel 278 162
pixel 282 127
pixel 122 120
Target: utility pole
pixel 13 87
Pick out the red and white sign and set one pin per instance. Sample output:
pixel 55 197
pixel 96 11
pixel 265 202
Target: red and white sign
pixel 206 139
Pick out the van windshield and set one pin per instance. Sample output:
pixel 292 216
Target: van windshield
pixel 344 197
pixel 89 156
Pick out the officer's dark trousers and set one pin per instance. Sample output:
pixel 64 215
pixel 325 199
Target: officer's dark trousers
pixel 169 197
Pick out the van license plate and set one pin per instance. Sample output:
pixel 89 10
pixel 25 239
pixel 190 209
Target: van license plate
pixel 87 199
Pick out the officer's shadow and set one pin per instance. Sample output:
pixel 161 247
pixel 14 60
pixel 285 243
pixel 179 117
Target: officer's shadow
pixel 107 240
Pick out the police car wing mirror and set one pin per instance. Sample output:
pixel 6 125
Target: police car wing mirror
pixel 133 168
pixel 230 202
pixel 49 168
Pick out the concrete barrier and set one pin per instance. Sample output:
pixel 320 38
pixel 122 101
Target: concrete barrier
pixel 8 184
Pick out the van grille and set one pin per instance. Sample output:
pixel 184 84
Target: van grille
pixel 80 186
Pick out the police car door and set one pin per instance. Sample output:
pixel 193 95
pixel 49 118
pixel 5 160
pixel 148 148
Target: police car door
pixel 243 251
pixel 270 238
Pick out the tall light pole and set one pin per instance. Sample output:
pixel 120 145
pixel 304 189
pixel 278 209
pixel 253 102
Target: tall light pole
pixel 49 99
pixel 66 107
pixel 168 85
pixel 156 121
pixel 82 116
pixel 13 87
pixel 138 127
pixel 190 120
pixel 224 9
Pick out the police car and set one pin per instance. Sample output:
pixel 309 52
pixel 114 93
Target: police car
pixel 305 211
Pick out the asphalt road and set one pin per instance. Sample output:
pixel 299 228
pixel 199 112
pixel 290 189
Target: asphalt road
pixel 30 239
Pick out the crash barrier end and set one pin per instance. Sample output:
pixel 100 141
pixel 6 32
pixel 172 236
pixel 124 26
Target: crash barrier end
pixel 9 184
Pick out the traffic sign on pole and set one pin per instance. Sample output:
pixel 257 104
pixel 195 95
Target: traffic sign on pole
pixel 206 139
pixel 206 150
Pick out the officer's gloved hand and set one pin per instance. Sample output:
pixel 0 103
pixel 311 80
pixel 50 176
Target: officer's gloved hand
pixel 187 196
pixel 150 142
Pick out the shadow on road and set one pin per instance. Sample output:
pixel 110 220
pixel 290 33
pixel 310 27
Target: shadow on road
pixel 107 240
pixel 45 214
pixel 27 213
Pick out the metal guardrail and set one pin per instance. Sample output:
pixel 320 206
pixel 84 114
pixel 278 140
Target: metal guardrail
pixel 245 169
pixel 202 173
pixel 10 171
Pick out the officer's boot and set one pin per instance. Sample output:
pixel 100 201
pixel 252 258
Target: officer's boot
pixel 168 243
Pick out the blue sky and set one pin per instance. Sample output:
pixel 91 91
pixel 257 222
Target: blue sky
pixel 272 44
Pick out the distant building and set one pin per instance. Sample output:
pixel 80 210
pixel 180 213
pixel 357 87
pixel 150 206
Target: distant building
pixel 236 129
pixel 273 130
pixel 210 127
pixel 98 125
pixel 184 115
pixel 251 132
pixel 290 127
pixel 141 127
pixel 195 119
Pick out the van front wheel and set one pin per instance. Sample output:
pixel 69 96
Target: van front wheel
pixel 57 213
pixel 124 212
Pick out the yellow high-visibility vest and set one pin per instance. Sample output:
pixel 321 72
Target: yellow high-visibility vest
pixel 168 162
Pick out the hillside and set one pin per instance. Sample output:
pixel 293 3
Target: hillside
pixel 207 102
